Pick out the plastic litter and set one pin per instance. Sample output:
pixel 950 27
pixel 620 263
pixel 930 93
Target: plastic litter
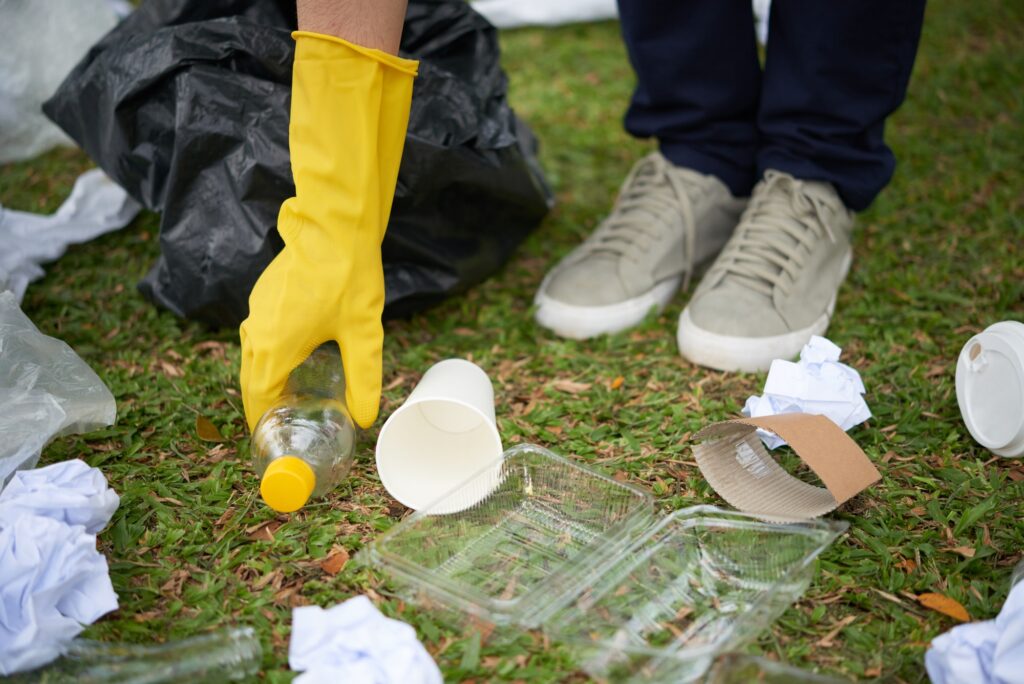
pixel 46 391
pixel 354 643
pixel 303 445
pixel 42 41
pixel 185 104
pixel 558 546
pixel 96 206
pixel 735 668
pixel 53 582
pixel 226 655
pixel 990 388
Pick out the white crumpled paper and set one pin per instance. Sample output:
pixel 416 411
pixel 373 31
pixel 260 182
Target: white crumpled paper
pixel 46 390
pixel 354 643
pixel 53 581
pixel 988 652
pixel 816 384
pixel 70 492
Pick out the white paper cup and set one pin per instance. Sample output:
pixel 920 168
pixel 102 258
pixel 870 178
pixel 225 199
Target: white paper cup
pixel 442 435
pixel 990 388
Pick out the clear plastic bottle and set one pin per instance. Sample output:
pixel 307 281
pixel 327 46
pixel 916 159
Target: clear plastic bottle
pixel 226 655
pixel 303 445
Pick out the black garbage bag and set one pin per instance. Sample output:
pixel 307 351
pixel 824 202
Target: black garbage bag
pixel 186 105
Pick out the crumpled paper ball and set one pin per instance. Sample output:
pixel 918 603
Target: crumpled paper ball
pixel 818 384
pixel 354 643
pixel 987 652
pixel 53 582
pixel 69 491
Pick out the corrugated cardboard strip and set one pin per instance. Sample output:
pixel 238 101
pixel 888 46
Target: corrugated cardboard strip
pixel 736 464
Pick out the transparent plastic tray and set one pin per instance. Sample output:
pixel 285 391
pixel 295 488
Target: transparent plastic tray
pixel 539 541
pixel 702 582
pixel 528 534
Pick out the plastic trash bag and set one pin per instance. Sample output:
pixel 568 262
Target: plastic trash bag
pixel 41 42
pixel 186 103
pixel 46 391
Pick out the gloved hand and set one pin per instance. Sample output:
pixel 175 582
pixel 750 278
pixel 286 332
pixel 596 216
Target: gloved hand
pixel 349 113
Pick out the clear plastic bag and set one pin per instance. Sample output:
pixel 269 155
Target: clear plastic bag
pixel 46 391
pixel 42 41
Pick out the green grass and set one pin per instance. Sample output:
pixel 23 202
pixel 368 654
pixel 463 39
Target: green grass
pixel 938 257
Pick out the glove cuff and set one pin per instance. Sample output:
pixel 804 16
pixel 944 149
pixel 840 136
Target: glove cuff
pixel 316 42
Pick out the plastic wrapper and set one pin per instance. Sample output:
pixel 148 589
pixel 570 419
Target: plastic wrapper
pixel 186 105
pixel 46 391
pixel 42 42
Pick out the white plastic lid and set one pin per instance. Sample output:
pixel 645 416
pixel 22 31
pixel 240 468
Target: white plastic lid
pixel 990 388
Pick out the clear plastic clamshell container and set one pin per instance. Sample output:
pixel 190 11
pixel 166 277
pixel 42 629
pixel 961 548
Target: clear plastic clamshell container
pixel 537 541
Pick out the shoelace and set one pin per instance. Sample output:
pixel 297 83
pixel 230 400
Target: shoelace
pixel 651 200
pixel 782 218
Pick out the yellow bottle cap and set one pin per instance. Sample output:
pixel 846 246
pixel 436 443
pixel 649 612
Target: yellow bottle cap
pixel 287 484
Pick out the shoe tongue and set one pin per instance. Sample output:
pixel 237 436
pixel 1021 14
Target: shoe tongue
pixel 773 209
pixel 637 205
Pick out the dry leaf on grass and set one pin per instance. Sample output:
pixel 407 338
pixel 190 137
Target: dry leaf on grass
pixel 170 370
pixel 333 564
pixel 570 386
pixel 207 431
pixel 272 578
pixel 617 382
pixel 172 587
pixel 147 615
pixel 945 605
pixel 828 641
pixel 263 531
pixel 965 551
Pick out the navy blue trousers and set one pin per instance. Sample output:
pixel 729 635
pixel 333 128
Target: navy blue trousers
pixel 834 71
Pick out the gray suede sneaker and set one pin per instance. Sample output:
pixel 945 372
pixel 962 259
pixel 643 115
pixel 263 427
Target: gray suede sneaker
pixel 666 221
pixel 774 285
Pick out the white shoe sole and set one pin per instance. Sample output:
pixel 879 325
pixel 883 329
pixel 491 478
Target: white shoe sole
pixel 582 322
pixel 748 354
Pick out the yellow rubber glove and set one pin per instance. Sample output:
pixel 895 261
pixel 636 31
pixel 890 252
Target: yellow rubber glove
pixel 349 113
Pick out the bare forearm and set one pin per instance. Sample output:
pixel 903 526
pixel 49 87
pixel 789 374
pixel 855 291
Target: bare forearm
pixel 370 23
